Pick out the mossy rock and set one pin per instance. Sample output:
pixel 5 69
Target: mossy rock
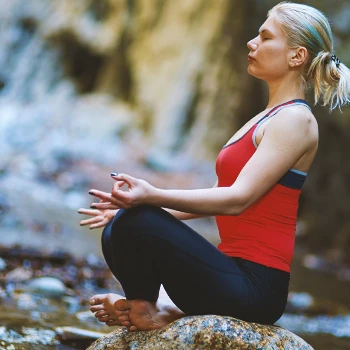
pixel 204 332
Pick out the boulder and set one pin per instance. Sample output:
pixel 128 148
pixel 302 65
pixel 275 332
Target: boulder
pixel 204 332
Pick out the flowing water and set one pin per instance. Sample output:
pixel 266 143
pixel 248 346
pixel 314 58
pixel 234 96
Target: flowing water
pixel 29 322
pixel 325 300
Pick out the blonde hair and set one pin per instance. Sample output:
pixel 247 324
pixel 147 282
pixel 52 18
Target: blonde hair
pixel 308 27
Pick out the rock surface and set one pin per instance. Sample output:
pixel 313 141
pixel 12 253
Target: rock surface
pixel 204 332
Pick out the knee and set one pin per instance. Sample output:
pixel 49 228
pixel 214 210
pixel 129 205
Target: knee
pixel 134 220
pixel 140 212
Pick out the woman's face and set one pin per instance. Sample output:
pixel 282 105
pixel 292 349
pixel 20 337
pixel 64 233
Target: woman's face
pixel 268 52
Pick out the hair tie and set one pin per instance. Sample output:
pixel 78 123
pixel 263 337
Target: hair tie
pixel 336 60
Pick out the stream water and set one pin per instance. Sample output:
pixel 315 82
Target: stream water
pixel 324 303
pixel 318 308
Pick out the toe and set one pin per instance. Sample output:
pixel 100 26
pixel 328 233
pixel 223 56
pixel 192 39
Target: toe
pixel 121 313
pixel 123 318
pixel 133 328
pixel 97 299
pixel 126 323
pixel 97 308
pixel 122 305
pixel 101 314
pixel 106 318
pixel 113 323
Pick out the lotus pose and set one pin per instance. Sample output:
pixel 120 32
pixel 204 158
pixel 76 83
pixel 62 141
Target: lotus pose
pixel 260 173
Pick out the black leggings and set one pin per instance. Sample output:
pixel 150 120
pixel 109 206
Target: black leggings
pixel 146 246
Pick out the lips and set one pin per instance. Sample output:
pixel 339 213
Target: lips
pixel 251 58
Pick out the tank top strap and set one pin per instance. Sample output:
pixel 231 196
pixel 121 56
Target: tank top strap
pixel 274 111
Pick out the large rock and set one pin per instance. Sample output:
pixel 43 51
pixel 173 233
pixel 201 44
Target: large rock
pixel 204 332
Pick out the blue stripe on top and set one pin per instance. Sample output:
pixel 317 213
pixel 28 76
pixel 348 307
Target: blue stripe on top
pixel 293 179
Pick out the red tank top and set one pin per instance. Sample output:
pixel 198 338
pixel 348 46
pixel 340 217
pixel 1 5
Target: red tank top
pixel 265 232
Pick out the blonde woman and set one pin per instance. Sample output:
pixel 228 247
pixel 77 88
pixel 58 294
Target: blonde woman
pixel 260 170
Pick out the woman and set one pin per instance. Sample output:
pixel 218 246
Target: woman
pixel 260 173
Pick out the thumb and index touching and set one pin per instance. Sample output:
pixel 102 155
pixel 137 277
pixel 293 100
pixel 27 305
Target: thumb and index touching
pixel 123 178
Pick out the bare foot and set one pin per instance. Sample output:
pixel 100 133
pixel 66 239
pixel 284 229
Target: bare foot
pixel 102 305
pixel 144 315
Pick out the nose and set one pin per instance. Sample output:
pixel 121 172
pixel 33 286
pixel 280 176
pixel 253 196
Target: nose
pixel 252 46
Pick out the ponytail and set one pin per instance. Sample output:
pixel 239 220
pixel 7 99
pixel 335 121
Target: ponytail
pixel 331 80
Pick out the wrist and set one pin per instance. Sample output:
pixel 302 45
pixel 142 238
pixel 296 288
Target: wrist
pixel 156 197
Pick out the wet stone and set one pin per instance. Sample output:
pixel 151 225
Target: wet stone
pixel 299 301
pixel 48 287
pixel 2 264
pixel 19 274
pixel 204 332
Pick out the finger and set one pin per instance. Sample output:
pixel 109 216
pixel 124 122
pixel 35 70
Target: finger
pixel 113 206
pixel 116 204
pixel 88 212
pixel 120 196
pixel 91 221
pixel 120 183
pixel 103 201
pixel 107 197
pixel 100 224
pixel 104 205
pixel 124 177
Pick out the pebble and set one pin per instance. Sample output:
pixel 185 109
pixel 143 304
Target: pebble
pixel 19 274
pixel 72 333
pixel 2 264
pixel 85 315
pixel 47 286
pixel 300 300
pixel 26 302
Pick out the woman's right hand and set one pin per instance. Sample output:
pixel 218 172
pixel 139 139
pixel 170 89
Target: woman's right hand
pixel 102 213
pixel 100 217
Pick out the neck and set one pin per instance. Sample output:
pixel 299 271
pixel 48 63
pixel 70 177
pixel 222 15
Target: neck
pixel 284 90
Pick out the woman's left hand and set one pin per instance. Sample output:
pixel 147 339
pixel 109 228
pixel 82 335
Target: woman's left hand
pixel 139 192
pixel 99 218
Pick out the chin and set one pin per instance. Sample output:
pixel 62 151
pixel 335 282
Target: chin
pixel 250 71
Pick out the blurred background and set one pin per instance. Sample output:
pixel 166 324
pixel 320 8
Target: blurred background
pixel 152 88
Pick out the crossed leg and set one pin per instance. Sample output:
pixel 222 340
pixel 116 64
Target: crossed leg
pixel 146 247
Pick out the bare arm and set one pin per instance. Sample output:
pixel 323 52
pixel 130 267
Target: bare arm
pixel 187 216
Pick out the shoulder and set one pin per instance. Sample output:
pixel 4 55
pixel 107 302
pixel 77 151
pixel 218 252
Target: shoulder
pixel 294 116
pixel 296 123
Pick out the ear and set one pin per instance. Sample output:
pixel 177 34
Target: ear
pixel 298 56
